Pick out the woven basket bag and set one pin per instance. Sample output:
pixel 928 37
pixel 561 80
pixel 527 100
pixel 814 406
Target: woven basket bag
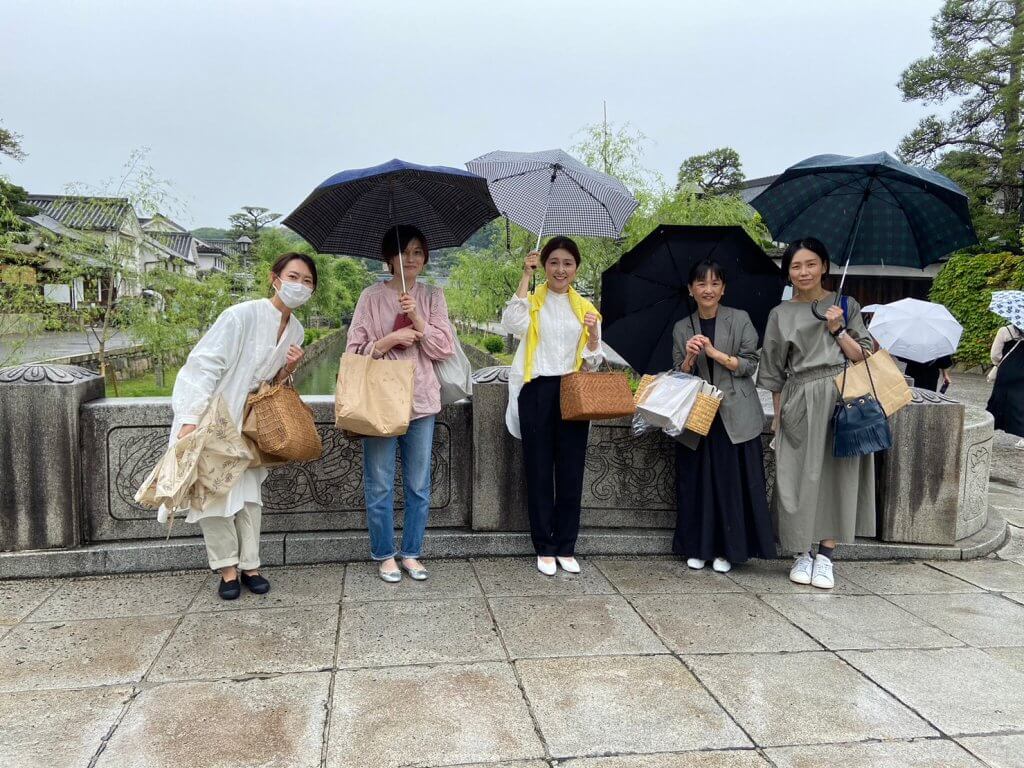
pixel 703 413
pixel 591 396
pixel 284 424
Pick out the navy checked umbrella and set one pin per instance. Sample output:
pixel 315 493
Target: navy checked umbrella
pixel 350 212
pixel 554 193
pixel 644 294
pixel 868 210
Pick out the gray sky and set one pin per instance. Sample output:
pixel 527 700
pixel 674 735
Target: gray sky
pixel 254 103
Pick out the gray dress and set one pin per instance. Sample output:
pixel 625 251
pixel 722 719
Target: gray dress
pixel 817 496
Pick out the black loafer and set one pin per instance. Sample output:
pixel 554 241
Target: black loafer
pixel 256 584
pixel 229 590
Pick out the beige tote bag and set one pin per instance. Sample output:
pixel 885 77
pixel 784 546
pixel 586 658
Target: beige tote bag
pixel 890 387
pixel 373 397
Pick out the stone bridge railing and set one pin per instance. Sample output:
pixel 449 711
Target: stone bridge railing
pixel 72 461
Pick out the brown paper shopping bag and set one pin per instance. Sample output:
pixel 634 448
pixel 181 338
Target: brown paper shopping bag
pixel 373 397
pixel 890 387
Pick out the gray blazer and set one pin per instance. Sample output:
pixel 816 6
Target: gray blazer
pixel 734 335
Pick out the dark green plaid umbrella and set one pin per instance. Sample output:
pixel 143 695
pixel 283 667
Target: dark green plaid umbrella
pixel 868 210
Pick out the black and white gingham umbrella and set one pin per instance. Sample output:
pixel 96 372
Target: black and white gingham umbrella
pixel 552 192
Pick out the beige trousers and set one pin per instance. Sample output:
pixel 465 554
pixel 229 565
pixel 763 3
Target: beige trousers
pixel 234 540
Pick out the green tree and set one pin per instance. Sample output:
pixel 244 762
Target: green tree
pixel 716 172
pixel 251 221
pixel 10 145
pixel 978 49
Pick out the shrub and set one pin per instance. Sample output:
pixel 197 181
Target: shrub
pixel 494 344
pixel 312 334
pixel 965 286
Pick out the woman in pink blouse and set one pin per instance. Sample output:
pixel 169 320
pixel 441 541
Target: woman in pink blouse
pixel 410 325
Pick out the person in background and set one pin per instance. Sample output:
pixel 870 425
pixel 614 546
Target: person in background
pixel 926 375
pixel 1006 403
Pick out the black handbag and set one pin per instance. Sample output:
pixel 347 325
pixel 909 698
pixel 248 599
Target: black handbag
pixel 859 425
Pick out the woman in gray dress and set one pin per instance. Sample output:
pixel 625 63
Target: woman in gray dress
pixel 818 498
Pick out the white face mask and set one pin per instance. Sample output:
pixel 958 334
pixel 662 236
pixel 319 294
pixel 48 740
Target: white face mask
pixel 293 295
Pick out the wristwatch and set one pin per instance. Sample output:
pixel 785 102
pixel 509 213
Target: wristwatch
pixel 837 334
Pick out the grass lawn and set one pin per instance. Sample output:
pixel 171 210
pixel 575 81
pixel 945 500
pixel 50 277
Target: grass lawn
pixel 145 386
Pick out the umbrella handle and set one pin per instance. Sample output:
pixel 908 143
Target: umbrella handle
pixel 815 312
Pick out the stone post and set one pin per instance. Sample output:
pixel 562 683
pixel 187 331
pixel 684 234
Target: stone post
pixel 919 477
pixel 40 456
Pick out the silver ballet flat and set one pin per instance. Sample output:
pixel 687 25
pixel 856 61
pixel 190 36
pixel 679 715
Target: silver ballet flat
pixel 416 574
pixel 391 577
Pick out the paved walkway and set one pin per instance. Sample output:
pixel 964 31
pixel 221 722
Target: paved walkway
pixel 48 346
pixel 633 664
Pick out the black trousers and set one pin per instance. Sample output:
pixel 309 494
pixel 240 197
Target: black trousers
pixel 553 456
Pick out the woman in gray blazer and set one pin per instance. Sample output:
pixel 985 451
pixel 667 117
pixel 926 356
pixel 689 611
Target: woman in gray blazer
pixel 720 485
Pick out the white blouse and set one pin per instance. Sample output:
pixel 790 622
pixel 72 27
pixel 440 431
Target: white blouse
pixel 237 353
pixel 555 355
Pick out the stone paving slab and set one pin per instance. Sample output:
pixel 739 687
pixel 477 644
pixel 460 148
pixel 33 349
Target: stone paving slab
pixel 1013 657
pixel 52 729
pixel 997 751
pixel 635 704
pixel 804 698
pixel 662 576
pixel 75 654
pixel 960 690
pixel 417 632
pixel 579 625
pixel 19 598
pixel 988 573
pixel 720 623
pixel 253 642
pixel 858 621
pixel 448 578
pixel 732 758
pixel 923 753
pixel 273 723
pixel 519 577
pixel 288 587
pixel 904 578
pixel 111 598
pixel 436 716
pixel 984 620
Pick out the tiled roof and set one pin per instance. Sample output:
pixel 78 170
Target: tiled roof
pixel 80 212
pixel 179 242
pixel 204 247
pixel 231 246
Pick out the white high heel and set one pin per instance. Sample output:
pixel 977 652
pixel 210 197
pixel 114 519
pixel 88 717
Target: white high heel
pixel 721 565
pixel 548 569
pixel 569 564
pixel 695 563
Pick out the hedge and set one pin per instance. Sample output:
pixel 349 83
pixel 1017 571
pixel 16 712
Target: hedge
pixel 965 286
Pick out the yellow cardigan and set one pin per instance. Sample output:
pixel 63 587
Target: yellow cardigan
pixel 580 307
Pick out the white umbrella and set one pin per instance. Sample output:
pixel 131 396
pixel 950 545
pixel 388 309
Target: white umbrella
pixel 916 330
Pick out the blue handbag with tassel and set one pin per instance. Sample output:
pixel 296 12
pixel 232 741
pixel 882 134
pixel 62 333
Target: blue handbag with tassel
pixel 859 425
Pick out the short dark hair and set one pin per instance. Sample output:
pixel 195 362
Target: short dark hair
pixel 703 269
pixel 812 244
pixel 286 258
pixel 399 237
pixel 555 243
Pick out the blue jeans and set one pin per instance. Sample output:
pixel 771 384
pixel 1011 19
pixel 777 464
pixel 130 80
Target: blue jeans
pixel 379 488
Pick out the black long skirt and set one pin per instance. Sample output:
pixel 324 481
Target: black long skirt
pixel 722 500
pixel 1006 403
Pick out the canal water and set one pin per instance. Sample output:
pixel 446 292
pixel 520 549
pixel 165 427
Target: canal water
pixel 321 375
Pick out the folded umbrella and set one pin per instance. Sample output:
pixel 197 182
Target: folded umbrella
pixel 1009 305
pixel 916 330
pixel 644 294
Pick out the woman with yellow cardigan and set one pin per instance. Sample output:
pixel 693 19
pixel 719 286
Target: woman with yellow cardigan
pixel 559 333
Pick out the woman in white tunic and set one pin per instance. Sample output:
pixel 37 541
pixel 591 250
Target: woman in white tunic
pixel 560 333
pixel 249 343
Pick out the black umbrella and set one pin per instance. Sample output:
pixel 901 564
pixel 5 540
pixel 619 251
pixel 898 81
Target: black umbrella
pixel 350 212
pixel 645 293
pixel 868 210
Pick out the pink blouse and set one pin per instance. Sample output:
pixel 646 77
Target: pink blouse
pixel 374 318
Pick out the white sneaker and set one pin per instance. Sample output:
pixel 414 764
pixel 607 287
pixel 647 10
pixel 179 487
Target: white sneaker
pixel 548 569
pixel 1019 444
pixel 800 573
pixel 821 576
pixel 696 563
pixel 569 564
pixel 721 565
